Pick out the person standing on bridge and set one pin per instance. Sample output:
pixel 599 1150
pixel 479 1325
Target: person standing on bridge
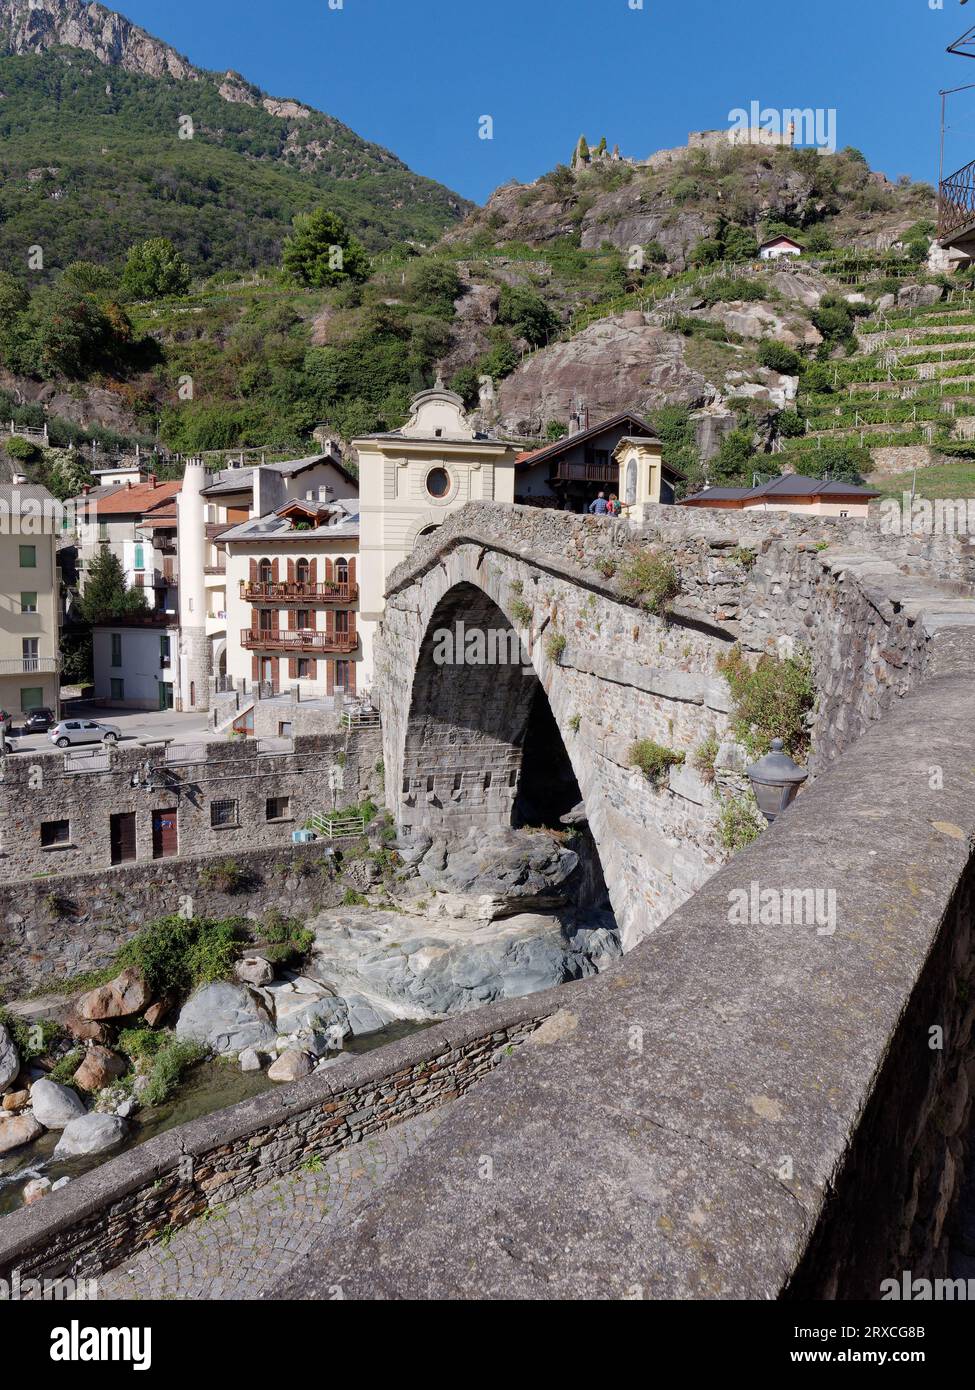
pixel 598 508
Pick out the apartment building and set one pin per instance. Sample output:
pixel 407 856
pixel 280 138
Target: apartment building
pixel 293 599
pixel 30 525
pixel 209 505
pixel 137 522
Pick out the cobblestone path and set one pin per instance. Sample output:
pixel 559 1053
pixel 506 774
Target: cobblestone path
pixel 240 1249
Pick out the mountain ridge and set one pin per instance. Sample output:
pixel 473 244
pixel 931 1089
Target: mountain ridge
pixel 81 84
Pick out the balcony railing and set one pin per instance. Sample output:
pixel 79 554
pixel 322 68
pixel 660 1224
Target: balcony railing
pixel 300 640
pixel 293 592
pixel 28 665
pixel 956 201
pixel 587 473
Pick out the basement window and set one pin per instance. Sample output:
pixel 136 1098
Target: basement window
pixel 55 834
pixel 223 814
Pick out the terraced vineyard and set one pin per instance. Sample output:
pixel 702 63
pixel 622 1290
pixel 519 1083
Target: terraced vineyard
pixel 911 384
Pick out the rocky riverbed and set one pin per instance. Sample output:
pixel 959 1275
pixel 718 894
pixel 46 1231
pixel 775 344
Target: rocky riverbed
pixel 435 928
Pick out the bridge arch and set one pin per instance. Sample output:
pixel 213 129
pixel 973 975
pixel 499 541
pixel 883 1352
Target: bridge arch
pixel 478 717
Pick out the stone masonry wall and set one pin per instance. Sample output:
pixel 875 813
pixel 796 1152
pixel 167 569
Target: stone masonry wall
pixel 131 1201
pixel 52 929
pixel 322 771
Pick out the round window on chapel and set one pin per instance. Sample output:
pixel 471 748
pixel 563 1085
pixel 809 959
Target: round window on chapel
pixel 438 482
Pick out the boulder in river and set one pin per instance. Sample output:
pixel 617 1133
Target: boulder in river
pixel 17 1131
pixel 91 1134
pixel 227 1018
pixel 101 1066
pixel 290 1066
pixel 55 1105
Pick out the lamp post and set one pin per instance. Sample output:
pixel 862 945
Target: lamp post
pixel 775 780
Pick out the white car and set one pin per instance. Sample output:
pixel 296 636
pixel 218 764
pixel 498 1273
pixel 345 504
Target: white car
pixel 71 731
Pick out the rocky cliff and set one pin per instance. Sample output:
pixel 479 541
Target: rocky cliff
pixel 34 26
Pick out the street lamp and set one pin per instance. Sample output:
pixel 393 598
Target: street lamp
pixel 775 780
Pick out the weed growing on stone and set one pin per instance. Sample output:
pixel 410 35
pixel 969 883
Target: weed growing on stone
pixel 521 612
pixel 771 700
pixel 555 646
pixel 740 822
pixel 649 579
pixel 653 759
pixel 704 756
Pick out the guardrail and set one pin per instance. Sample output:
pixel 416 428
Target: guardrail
pixel 956 201
pixel 28 665
pixel 339 826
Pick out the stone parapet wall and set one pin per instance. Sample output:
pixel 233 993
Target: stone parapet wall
pixel 99 1221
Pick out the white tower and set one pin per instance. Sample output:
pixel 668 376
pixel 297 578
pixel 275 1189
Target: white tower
pixel 194 653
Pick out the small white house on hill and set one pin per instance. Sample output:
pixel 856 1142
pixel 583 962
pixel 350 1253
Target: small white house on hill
pixel 777 247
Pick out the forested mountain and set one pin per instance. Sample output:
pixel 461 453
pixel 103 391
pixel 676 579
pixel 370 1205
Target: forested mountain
pixel 108 136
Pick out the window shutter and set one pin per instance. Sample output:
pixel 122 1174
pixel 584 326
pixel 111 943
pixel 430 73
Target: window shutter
pixel 313 570
pixel 274 571
pixel 253 571
pixel 255 668
pixel 351 573
pixel 291 571
pixel 292 667
pixel 330 678
pixel 352 666
pixel 292 619
pixel 328 571
pixel 352 632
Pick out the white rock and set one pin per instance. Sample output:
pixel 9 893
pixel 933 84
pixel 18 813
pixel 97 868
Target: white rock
pixel 55 1106
pixel 290 1066
pixel 250 1060
pixel 91 1134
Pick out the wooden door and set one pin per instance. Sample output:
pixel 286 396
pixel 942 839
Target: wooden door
pixel 122 828
pixel 164 840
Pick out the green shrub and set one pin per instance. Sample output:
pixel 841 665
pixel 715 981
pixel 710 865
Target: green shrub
pixel 31 1038
pixel 140 1044
pixel 606 566
pixel 20 449
pixel 740 822
pixel 771 700
pixel 353 899
pixel 653 759
pixel 226 876
pixel 779 358
pixel 744 556
pixel 649 578
pixel 521 612
pixel 64 1069
pixel 178 954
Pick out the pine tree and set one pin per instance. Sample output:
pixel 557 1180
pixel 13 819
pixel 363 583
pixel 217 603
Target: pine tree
pixel 106 595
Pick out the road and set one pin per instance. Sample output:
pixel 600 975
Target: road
pixel 135 724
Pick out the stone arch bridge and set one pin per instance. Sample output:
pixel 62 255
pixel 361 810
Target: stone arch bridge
pixel 515 675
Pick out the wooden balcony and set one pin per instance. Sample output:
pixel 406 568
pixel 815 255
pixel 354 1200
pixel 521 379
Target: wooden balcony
pixel 293 592
pixel 300 640
pixel 586 473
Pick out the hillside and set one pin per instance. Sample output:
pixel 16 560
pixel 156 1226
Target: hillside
pixel 93 153
pixel 541 293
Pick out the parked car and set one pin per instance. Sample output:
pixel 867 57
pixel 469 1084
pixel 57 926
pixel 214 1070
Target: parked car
pixel 71 731
pixel 39 720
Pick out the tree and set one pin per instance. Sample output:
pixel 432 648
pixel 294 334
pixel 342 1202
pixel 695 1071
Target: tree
pixel 740 244
pixel 526 313
pixel 106 595
pixel 434 286
pixel 732 463
pixel 322 252
pixel 556 430
pixel 155 268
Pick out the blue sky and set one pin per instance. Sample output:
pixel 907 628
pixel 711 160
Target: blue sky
pixel 416 75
